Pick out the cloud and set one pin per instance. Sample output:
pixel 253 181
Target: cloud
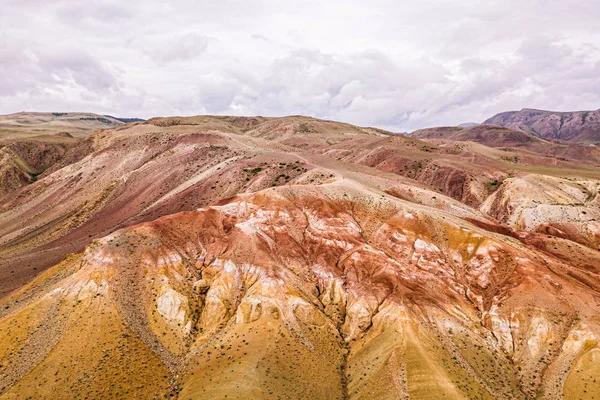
pixel 173 48
pixel 35 69
pixel 93 12
pixel 76 67
pixel 396 65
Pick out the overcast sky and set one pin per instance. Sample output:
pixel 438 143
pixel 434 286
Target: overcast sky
pixel 398 65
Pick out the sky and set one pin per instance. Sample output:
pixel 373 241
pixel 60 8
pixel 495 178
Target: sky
pixel 397 65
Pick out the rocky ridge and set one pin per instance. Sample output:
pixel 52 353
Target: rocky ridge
pixel 577 126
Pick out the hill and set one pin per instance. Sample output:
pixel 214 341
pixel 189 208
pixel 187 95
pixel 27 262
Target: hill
pixel 576 126
pixel 31 143
pixel 489 135
pixel 251 257
pixel 26 124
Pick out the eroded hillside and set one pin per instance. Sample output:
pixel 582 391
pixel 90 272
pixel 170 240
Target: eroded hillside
pixel 304 292
pixel 255 257
pixel 34 143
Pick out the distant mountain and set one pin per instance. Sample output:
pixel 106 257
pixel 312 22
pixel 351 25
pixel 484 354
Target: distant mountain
pixel 576 126
pixel 508 139
pixel 126 120
pixel 489 135
pixel 467 124
pixel 28 124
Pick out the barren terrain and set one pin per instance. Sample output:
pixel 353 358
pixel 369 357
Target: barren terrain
pixel 577 126
pixel 249 257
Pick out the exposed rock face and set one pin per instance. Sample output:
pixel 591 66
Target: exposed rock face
pixel 117 178
pixel 138 172
pixel 568 208
pixel 22 161
pixel 254 257
pixel 577 126
pixel 172 306
pixel 330 292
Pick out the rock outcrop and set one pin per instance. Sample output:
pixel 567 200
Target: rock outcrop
pixel 300 292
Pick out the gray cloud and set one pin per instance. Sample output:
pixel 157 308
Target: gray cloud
pixel 164 50
pixel 397 65
pixel 98 12
pixel 68 65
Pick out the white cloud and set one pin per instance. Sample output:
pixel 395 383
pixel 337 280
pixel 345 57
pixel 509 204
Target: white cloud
pixel 395 64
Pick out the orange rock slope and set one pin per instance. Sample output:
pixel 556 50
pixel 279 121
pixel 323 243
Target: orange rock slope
pixel 307 292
